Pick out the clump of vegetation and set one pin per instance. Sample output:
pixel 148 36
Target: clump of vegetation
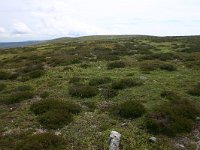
pixel 74 80
pixel 173 117
pixel 170 95
pixel 7 75
pixel 130 109
pixel 2 86
pixel 149 66
pixel 168 67
pixel 99 81
pixel 54 114
pixel 84 65
pixel 44 94
pixel 116 64
pixel 126 83
pixel 17 95
pixel 44 141
pixel 43 106
pixel 195 90
pixel 55 119
pixel 83 91
pixel 36 73
pixel 108 92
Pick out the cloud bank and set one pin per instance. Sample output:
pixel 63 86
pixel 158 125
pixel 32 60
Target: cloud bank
pixel 42 19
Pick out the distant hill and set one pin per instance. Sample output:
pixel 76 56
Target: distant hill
pixel 18 44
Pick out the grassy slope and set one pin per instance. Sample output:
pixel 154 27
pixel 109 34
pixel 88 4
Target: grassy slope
pixel 90 129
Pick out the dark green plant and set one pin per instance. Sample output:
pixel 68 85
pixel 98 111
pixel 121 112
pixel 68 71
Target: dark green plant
pixel 130 109
pixel 99 81
pixel 2 86
pixel 170 95
pixel 195 90
pixel 16 97
pixel 83 91
pixel 108 92
pixel 173 117
pixel 44 106
pixel 55 119
pixel 168 67
pixel 116 64
pixel 44 141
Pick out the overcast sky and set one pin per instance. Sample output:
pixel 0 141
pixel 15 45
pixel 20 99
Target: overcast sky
pixel 22 20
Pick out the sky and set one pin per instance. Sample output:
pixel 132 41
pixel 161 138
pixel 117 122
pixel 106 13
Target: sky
pixel 24 20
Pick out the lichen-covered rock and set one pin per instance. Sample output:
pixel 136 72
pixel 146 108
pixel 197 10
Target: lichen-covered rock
pixel 114 140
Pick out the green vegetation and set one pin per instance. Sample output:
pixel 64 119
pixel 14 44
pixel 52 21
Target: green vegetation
pixel 44 141
pixel 130 109
pixel 195 90
pixel 173 117
pixel 54 114
pixel 136 85
pixel 83 91
pixel 116 64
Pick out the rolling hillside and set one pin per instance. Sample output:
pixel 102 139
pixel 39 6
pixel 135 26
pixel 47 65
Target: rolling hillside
pixel 70 93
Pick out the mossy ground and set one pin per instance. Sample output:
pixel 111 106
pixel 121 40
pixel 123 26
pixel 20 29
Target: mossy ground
pixel 61 61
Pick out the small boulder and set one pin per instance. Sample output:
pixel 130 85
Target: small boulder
pixel 114 140
pixel 153 139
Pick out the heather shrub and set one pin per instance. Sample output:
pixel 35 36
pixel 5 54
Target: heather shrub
pixel 43 141
pixel 116 64
pixel 173 117
pixel 99 81
pixel 130 109
pixel 43 106
pixel 2 86
pixel 195 90
pixel 55 119
pixel 168 67
pixel 83 91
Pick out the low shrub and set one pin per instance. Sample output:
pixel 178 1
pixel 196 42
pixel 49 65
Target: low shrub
pixel 130 109
pixel 7 75
pixel 44 106
pixel 173 117
pixel 149 66
pixel 44 94
pixel 126 83
pixel 84 65
pixel 83 91
pixel 55 119
pixel 195 90
pixel 16 97
pixel 54 114
pixel 168 67
pixel 36 73
pixel 170 95
pixel 108 93
pixel 24 88
pixel 99 81
pixel 116 64
pixel 74 80
pixel 2 86
pixel 44 141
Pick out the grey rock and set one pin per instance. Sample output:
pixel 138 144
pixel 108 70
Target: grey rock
pixel 153 139
pixel 114 140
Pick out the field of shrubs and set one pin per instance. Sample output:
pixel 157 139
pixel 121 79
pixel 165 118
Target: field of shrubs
pixel 69 94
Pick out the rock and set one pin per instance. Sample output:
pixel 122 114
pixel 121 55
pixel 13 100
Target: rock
pixel 180 146
pixel 114 140
pixel 58 133
pixel 124 124
pixel 198 118
pixel 153 139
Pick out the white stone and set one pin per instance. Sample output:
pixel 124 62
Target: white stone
pixel 153 139
pixel 114 140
